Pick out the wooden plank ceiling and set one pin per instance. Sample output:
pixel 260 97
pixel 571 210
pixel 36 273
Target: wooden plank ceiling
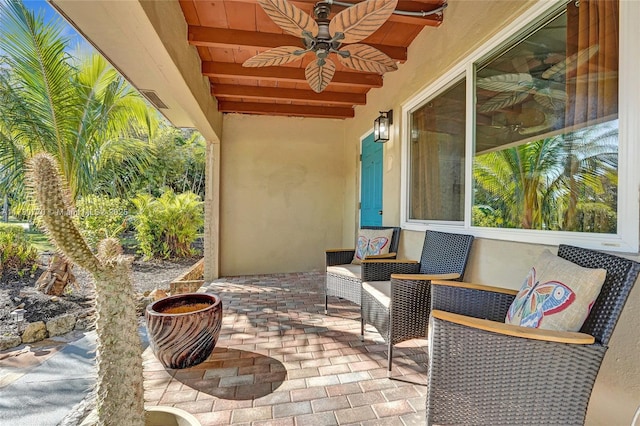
pixel 228 32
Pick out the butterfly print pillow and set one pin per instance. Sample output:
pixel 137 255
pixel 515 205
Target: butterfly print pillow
pixel 556 295
pixel 372 242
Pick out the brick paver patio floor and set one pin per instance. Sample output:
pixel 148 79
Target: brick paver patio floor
pixel 281 361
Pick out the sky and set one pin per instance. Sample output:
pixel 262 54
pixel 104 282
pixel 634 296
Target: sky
pixel 50 14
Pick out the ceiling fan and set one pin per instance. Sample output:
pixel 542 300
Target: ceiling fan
pixel 546 88
pixel 513 125
pixel 324 36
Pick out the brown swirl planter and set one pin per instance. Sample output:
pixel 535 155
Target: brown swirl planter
pixel 183 329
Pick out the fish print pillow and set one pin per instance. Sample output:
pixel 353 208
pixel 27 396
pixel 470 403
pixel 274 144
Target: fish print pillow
pixel 372 242
pixel 556 295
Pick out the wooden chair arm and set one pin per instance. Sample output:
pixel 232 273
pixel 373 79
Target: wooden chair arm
pixel 382 256
pixel 514 330
pixel 338 250
pixel 425 277
pixel 473 286
pixel 368 260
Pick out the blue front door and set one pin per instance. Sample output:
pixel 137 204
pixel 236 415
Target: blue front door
pixel 371 183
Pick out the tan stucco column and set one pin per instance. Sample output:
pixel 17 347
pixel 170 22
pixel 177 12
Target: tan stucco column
pixel 212 212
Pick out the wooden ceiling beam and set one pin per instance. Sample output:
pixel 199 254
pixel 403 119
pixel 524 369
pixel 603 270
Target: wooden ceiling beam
pixel 277 93
pixel 406 5
pixel 222 37
pixel 294 75
pixel 285 110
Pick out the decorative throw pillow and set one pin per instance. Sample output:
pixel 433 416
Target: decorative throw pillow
pixel 556 295
pixel 371 242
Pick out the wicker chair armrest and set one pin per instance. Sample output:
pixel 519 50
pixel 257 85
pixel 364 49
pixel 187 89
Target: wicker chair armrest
pixel 339 256
pixel 381 256
pixel 474 286
pixel 514 330
pixel 425 277
pixel 381 269
pixel 474 300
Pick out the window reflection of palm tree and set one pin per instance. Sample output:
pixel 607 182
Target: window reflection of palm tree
pixel 540 185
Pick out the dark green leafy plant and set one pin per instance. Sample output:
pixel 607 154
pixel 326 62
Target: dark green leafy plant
pixel 168 225
pixel 16 252
pixel 101 217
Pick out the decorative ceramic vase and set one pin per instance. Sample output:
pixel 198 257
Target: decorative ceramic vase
pixel 183 329
pixel 168 416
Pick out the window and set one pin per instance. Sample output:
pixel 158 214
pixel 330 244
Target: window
pixel 546 145
pixel 547 156
pixel 437 157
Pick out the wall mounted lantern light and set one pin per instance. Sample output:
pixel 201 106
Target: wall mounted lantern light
pixel 382 126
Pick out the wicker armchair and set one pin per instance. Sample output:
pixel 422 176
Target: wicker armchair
pixel 482 371
pixel 396 294
pixel 344 279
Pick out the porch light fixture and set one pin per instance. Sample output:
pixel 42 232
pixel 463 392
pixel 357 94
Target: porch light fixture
pixel 382 126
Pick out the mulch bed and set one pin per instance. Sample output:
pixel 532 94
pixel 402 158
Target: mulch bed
pixel 20 291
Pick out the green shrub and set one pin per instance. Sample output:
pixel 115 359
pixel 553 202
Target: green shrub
pixel 16 252
pixel 166 226
pixel 487 217
pixel 101 217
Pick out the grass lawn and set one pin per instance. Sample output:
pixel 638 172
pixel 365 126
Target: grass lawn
pixel 38 239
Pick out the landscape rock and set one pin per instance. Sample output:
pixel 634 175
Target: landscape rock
pixel 142 302
pixel 87 322
pixel 61 325
pixel 7 342
pixel 34 332
pixel 158 294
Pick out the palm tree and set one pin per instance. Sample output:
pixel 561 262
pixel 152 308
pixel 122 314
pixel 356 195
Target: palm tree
pixel 541 184
pixel 80 111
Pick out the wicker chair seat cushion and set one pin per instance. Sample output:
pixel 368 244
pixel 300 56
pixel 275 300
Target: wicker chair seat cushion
pixel 349 270
pixel 372 242
pixel 380 290
pixel 556 295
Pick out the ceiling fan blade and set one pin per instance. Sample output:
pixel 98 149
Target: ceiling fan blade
pixel 503 100
pixel 572 63
pixel 552 99
pixel 278 56
pixel 361 20
pixel 363 57
pixel 288 17
pixel 520 82
pixel 319 74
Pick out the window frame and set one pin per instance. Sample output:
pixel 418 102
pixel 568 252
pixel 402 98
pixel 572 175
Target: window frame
pixel 627 238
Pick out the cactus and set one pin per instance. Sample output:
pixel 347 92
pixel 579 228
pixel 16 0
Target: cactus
pixel 120 392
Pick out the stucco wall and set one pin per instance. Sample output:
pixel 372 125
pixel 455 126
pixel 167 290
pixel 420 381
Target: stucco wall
pixel 466 26
pixel 281 195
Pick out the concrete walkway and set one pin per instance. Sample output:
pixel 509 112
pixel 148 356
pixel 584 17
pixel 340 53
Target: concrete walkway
pixel 41 383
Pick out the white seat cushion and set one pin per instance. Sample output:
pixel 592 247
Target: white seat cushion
pixel 381 290
pixel 349 270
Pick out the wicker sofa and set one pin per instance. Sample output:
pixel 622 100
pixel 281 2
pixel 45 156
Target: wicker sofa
pixel 344 279
pixel 482 371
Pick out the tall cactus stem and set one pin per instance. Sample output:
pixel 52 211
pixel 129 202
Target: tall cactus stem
pixel 120 392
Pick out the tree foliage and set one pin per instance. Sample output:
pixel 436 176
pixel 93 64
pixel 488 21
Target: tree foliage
pixel 168 225
pixel 81 111
pixel 566 182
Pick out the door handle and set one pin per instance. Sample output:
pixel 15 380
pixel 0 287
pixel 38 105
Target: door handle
pixel 380 212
